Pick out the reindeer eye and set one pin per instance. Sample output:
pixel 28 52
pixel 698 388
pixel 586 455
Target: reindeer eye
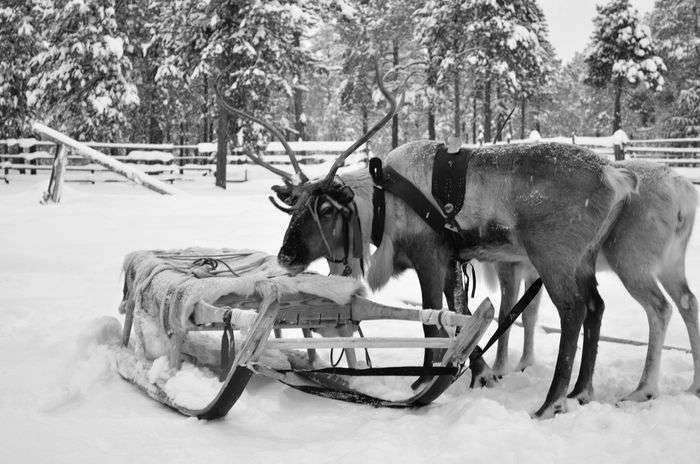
pixel 324 208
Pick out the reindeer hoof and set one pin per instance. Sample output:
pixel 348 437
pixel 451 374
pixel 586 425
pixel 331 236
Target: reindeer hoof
pixel 583 397
pixel 641 394
pixel 484 378
pixel 524 364
pixel 551 410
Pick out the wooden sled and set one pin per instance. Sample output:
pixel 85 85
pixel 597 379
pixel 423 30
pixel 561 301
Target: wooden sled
pixel 275 304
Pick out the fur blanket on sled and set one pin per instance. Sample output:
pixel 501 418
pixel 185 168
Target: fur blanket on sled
pixel 167 284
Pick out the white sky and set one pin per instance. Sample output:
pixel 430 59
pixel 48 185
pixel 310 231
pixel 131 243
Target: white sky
pixel 571 22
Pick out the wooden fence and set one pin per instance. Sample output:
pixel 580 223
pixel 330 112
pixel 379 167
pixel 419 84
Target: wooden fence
pixel 170 161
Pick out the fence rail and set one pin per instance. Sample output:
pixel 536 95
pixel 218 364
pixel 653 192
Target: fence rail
pixel 36 155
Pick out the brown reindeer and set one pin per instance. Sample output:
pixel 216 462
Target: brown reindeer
pixel 552 205
pixel 646 247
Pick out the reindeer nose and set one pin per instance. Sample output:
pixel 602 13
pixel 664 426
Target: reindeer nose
pixel 284 260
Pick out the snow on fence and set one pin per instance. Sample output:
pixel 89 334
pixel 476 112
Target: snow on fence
pixel 66 143
pixel 171 159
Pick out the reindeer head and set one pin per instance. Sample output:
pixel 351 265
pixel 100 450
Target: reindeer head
pixel 324 220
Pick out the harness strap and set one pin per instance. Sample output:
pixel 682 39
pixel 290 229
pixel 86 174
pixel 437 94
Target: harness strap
pixel 449 180
pixel 388 180
pixel 378 201
pixel 514 313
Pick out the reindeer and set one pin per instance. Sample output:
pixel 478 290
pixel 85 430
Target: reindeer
pixel 646 247
pixel 554 206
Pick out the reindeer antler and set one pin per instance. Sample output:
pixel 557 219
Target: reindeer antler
pixel 365 137
pixel 273 130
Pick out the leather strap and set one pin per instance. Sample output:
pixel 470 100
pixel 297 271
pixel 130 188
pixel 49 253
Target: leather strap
pixel 449 180
pixel 378 201
pixel 388 180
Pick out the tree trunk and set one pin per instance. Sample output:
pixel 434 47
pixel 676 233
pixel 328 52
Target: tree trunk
pixel 474 117
pixel 617 116
pixel 222 139
pixel 395 118
pixel 458 110
pixel 299 120
pixel 487 110
pixel 431 79
pixel 522 119
pixel 365 127
pixel 205 112
pixel 431 123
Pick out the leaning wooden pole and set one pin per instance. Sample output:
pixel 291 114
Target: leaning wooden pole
pixel 78 148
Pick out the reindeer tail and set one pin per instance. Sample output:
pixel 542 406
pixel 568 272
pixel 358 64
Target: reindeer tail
pixel 622 181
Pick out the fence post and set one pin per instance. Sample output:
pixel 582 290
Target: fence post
pixel 619 140
pixel 619 150
pixel 58 173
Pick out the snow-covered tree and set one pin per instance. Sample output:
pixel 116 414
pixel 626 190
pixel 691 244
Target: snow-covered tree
pixel 383 29
pixel 675 26
pixel 17 46
pixel 685 119
pixel 501 44
pixel 621 52
pixel 82 76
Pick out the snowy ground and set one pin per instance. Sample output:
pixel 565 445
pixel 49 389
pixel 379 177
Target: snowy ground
pixel 61 401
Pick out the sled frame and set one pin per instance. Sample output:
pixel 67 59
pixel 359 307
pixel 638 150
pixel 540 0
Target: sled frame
pixel 259 315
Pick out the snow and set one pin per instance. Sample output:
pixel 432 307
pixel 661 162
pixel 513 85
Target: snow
pixel 115 45
pixel 62 402
pixel 149 155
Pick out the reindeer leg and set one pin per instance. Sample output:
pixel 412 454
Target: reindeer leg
pixel 431 272
pixel 583 390
pixel 529 318
pixel 569 296
pixel 509 290
pixel 674 281
pixel 647 292
pixel 482 375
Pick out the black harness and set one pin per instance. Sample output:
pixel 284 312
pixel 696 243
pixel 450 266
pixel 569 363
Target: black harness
pixel 448 185
pixel 448 190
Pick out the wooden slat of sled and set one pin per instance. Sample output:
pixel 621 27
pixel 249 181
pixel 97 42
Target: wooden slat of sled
pixel 366 342
pixel 312 311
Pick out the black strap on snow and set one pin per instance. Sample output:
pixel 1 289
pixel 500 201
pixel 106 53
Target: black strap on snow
pixel 449 180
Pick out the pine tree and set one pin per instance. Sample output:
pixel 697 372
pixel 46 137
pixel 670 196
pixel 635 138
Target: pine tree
pixel 685 121
pixel 675 26
pixel 82 77
pixel 17 46
pixel 501 44
pixel 621 51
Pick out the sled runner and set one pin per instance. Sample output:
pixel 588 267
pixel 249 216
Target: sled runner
pixel 196 313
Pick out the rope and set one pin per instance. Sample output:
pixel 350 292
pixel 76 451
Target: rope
pixel 213 263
